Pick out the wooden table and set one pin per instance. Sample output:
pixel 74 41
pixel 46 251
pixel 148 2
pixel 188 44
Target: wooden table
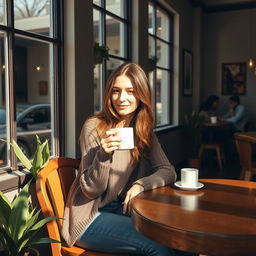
pixel 219 219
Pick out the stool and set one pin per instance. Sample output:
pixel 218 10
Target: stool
pixel 216 147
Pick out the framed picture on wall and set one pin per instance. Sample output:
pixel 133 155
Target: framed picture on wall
pixel 187 73
pixel 234 78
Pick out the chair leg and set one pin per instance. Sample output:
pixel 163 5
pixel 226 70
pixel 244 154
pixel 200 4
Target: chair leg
pixel 200 153
pixel 247 175
pixel 219 157
pixel 242 176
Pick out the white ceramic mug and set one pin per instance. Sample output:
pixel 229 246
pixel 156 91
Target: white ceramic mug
pixel 127 137
pixel 213 119
pixel 189 177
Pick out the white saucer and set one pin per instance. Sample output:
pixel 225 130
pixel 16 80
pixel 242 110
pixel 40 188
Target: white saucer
pixel 178 184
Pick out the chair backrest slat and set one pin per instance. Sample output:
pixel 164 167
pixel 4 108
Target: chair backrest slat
pixel 52 187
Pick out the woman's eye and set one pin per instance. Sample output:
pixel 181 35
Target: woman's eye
pixel 131 91
pixel 115 91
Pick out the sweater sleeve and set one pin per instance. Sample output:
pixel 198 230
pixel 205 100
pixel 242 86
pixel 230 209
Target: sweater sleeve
pixel 95 163
pixel 160 171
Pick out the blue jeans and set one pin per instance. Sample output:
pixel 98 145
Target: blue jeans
pixel 113 232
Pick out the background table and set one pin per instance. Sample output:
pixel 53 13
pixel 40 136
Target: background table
pixel 219 219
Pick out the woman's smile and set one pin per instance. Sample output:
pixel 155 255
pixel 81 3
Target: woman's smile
pixel 123 97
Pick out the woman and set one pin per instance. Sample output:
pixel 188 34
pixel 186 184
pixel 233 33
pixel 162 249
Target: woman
pixel 96 215
pixel 209 107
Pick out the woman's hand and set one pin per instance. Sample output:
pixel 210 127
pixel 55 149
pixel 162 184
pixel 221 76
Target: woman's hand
pixel 110 142
pixel 132 192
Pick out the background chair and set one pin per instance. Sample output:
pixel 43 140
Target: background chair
pixel 52 188
pixel 244 149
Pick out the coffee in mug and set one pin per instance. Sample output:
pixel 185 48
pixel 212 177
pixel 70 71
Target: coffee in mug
pixel 127 137
pixel 189 177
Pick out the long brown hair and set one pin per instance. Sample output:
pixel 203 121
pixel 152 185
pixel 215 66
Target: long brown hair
pixel 143 116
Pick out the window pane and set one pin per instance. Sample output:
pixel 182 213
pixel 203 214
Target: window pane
pixel 97 88
pixel 33 16
pixel 115 36
pixel 116 7
pixel 162 25
pixel 96 28
pixel 97 2
pixel 112 64
pixel 3 150
pixel 163 54
pixel 150 19
pixel 32 84
pixel 162 97
pixel 2 12
pixel 151 46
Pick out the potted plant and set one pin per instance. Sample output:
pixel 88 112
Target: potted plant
pixel 19 224
pixel 100 53
pixel 40 158
pixel 191 128
pixel 152 61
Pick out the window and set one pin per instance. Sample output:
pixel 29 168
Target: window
pixel 160 41
pixel 111 28
pixel 30 47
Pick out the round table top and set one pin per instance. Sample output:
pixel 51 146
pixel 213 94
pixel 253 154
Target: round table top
pixel 219 219
pixel 218 124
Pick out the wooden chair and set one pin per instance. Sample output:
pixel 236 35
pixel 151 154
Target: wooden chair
pixel 217 148
pixel 244 149
pixel 52 188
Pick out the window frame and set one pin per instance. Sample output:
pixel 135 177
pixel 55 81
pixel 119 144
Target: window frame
pixel 126 20
pixel 55 41
pixel 153 36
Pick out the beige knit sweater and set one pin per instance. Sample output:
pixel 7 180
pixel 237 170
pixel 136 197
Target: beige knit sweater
pixel 102 177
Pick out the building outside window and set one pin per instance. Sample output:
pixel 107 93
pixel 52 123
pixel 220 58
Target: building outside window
pixel 160 42
pixel 30 46
pixel 111 21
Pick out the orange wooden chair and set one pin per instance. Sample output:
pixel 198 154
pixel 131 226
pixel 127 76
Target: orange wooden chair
pixel 244 149
pixel 52 188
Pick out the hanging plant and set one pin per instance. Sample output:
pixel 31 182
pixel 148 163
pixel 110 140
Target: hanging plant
pixel 100 53
pixel 152 61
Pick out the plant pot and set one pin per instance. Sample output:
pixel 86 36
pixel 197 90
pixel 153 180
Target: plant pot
pixel 32 252
pixel 194 163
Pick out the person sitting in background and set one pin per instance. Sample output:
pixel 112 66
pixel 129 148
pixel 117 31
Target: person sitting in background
pixel 209 107
pixel 237 115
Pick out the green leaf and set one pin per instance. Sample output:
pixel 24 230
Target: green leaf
pixel 38 141
pixel 19 213
pixel 18 152
pixel 42 222
pixel 5 209
pixel 45 153
pixel 31 221
pixel 8 242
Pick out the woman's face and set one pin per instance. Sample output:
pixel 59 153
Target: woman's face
pixel 122 97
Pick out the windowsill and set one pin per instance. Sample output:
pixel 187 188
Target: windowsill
pixel 165 129
pixel 10 181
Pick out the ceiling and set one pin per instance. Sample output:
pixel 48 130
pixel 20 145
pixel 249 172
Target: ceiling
pixel 223 5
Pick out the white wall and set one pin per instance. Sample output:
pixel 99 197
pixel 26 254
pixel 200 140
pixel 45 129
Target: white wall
pixel 226 38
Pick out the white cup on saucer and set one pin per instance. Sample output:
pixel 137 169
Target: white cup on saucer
pixel 189 177
pixel 213 119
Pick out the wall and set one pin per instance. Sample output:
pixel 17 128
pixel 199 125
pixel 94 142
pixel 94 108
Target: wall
pixel 226 38
pixel 187 38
